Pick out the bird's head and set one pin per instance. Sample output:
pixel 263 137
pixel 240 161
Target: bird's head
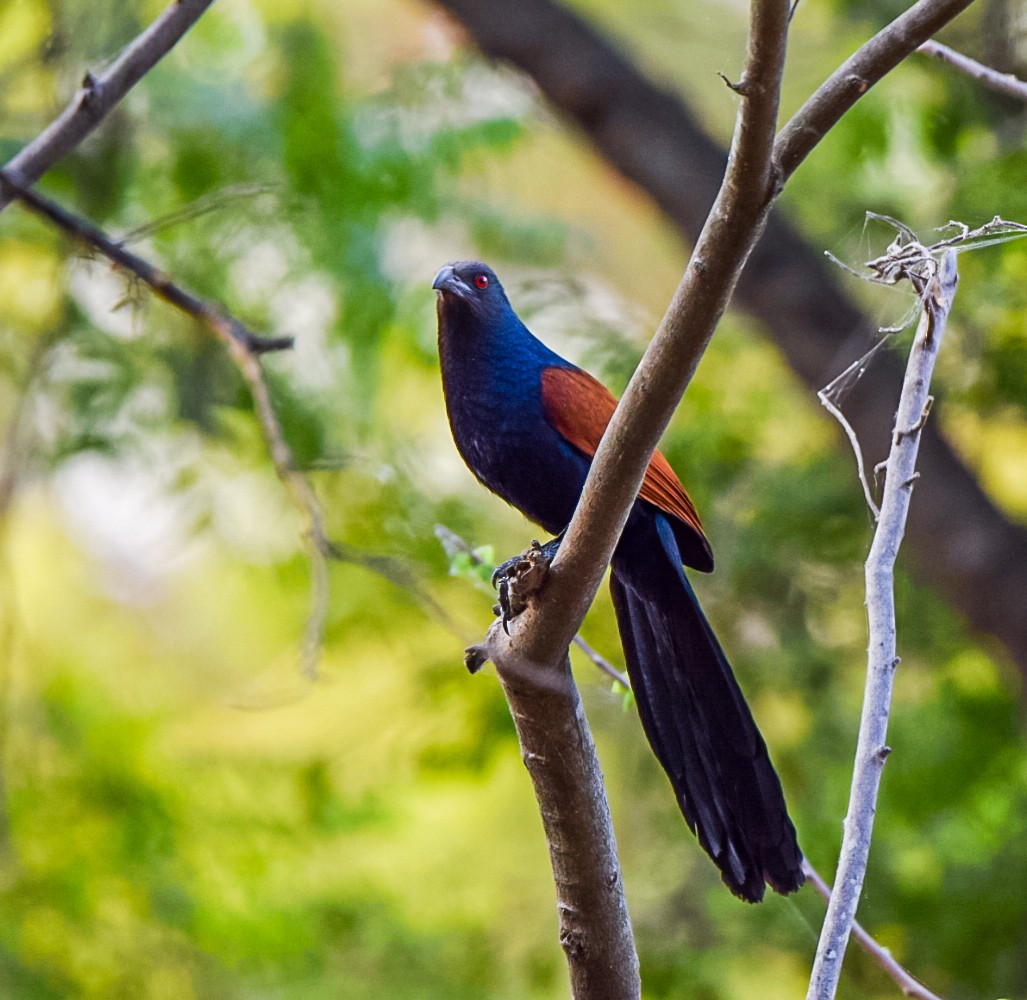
pixel 472 285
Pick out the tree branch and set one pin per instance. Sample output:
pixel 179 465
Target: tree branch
pixel 910 986
pixel 857 75
pixel 1004 83
pixel 555 740
pixel 653 140
pixel 871 750
pixel 84 231
pixel 558 751
pixel 101 93
pixel 245 348
pixel 733 226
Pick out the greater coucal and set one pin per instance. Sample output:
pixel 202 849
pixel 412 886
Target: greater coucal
pixel 527 423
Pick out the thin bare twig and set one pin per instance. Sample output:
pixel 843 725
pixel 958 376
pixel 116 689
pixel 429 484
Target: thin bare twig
pixel 209 313
pixel 1004 83
pixel 937 290
pixel 602 663
pixel 99 94
pixel 200 206
pixel 910 986
pixel 302 493
pixel 245 348
pixel 857 450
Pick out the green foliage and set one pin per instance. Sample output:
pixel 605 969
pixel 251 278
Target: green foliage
pixel 477 565
pixel 180 815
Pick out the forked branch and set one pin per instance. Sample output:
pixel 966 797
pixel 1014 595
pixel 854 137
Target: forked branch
pixel 245 348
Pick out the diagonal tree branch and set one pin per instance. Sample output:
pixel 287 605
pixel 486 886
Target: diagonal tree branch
pixel 909 984
pixel 1003 83
pixel 555 741
pixel 857 75
pixel 245 348
pixel 101 93
pixel 959 541
pixel 226 325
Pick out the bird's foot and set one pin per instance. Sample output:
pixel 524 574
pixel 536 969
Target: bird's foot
pixel 520 578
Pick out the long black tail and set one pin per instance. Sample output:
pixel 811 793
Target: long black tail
pixel 698 722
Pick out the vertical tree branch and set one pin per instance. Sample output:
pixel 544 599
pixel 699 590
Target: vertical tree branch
pixel 558 751
pixel 871 749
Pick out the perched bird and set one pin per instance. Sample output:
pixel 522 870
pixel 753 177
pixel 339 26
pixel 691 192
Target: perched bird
pixel 527 423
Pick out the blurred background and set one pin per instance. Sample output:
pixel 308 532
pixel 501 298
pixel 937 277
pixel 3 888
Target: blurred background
pixel 182 815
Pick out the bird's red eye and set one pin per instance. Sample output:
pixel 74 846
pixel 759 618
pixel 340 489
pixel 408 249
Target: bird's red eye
pixel 481 281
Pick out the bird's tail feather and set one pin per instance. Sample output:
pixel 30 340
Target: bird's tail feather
pixel 698 722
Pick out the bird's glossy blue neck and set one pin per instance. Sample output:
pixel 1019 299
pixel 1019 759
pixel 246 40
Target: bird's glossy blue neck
pixel 489 358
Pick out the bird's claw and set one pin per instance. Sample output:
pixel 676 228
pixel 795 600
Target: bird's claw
pixel 518 579
pixel 503 568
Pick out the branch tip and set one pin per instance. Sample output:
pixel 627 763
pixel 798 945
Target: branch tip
pixel 741 87
pixel 475 657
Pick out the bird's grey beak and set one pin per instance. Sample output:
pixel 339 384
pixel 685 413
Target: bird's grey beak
pixel 447 280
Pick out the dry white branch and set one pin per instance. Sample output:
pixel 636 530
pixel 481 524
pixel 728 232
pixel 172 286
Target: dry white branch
pixel 937 290
pixel 857 450
pixel 906 259
pixel 909 984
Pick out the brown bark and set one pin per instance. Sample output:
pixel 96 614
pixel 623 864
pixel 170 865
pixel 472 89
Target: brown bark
pixel 557 749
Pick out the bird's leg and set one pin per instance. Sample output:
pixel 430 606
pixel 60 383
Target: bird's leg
pixel 520 578
pixel 535 550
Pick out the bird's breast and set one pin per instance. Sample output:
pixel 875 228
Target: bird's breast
pixel 510 447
